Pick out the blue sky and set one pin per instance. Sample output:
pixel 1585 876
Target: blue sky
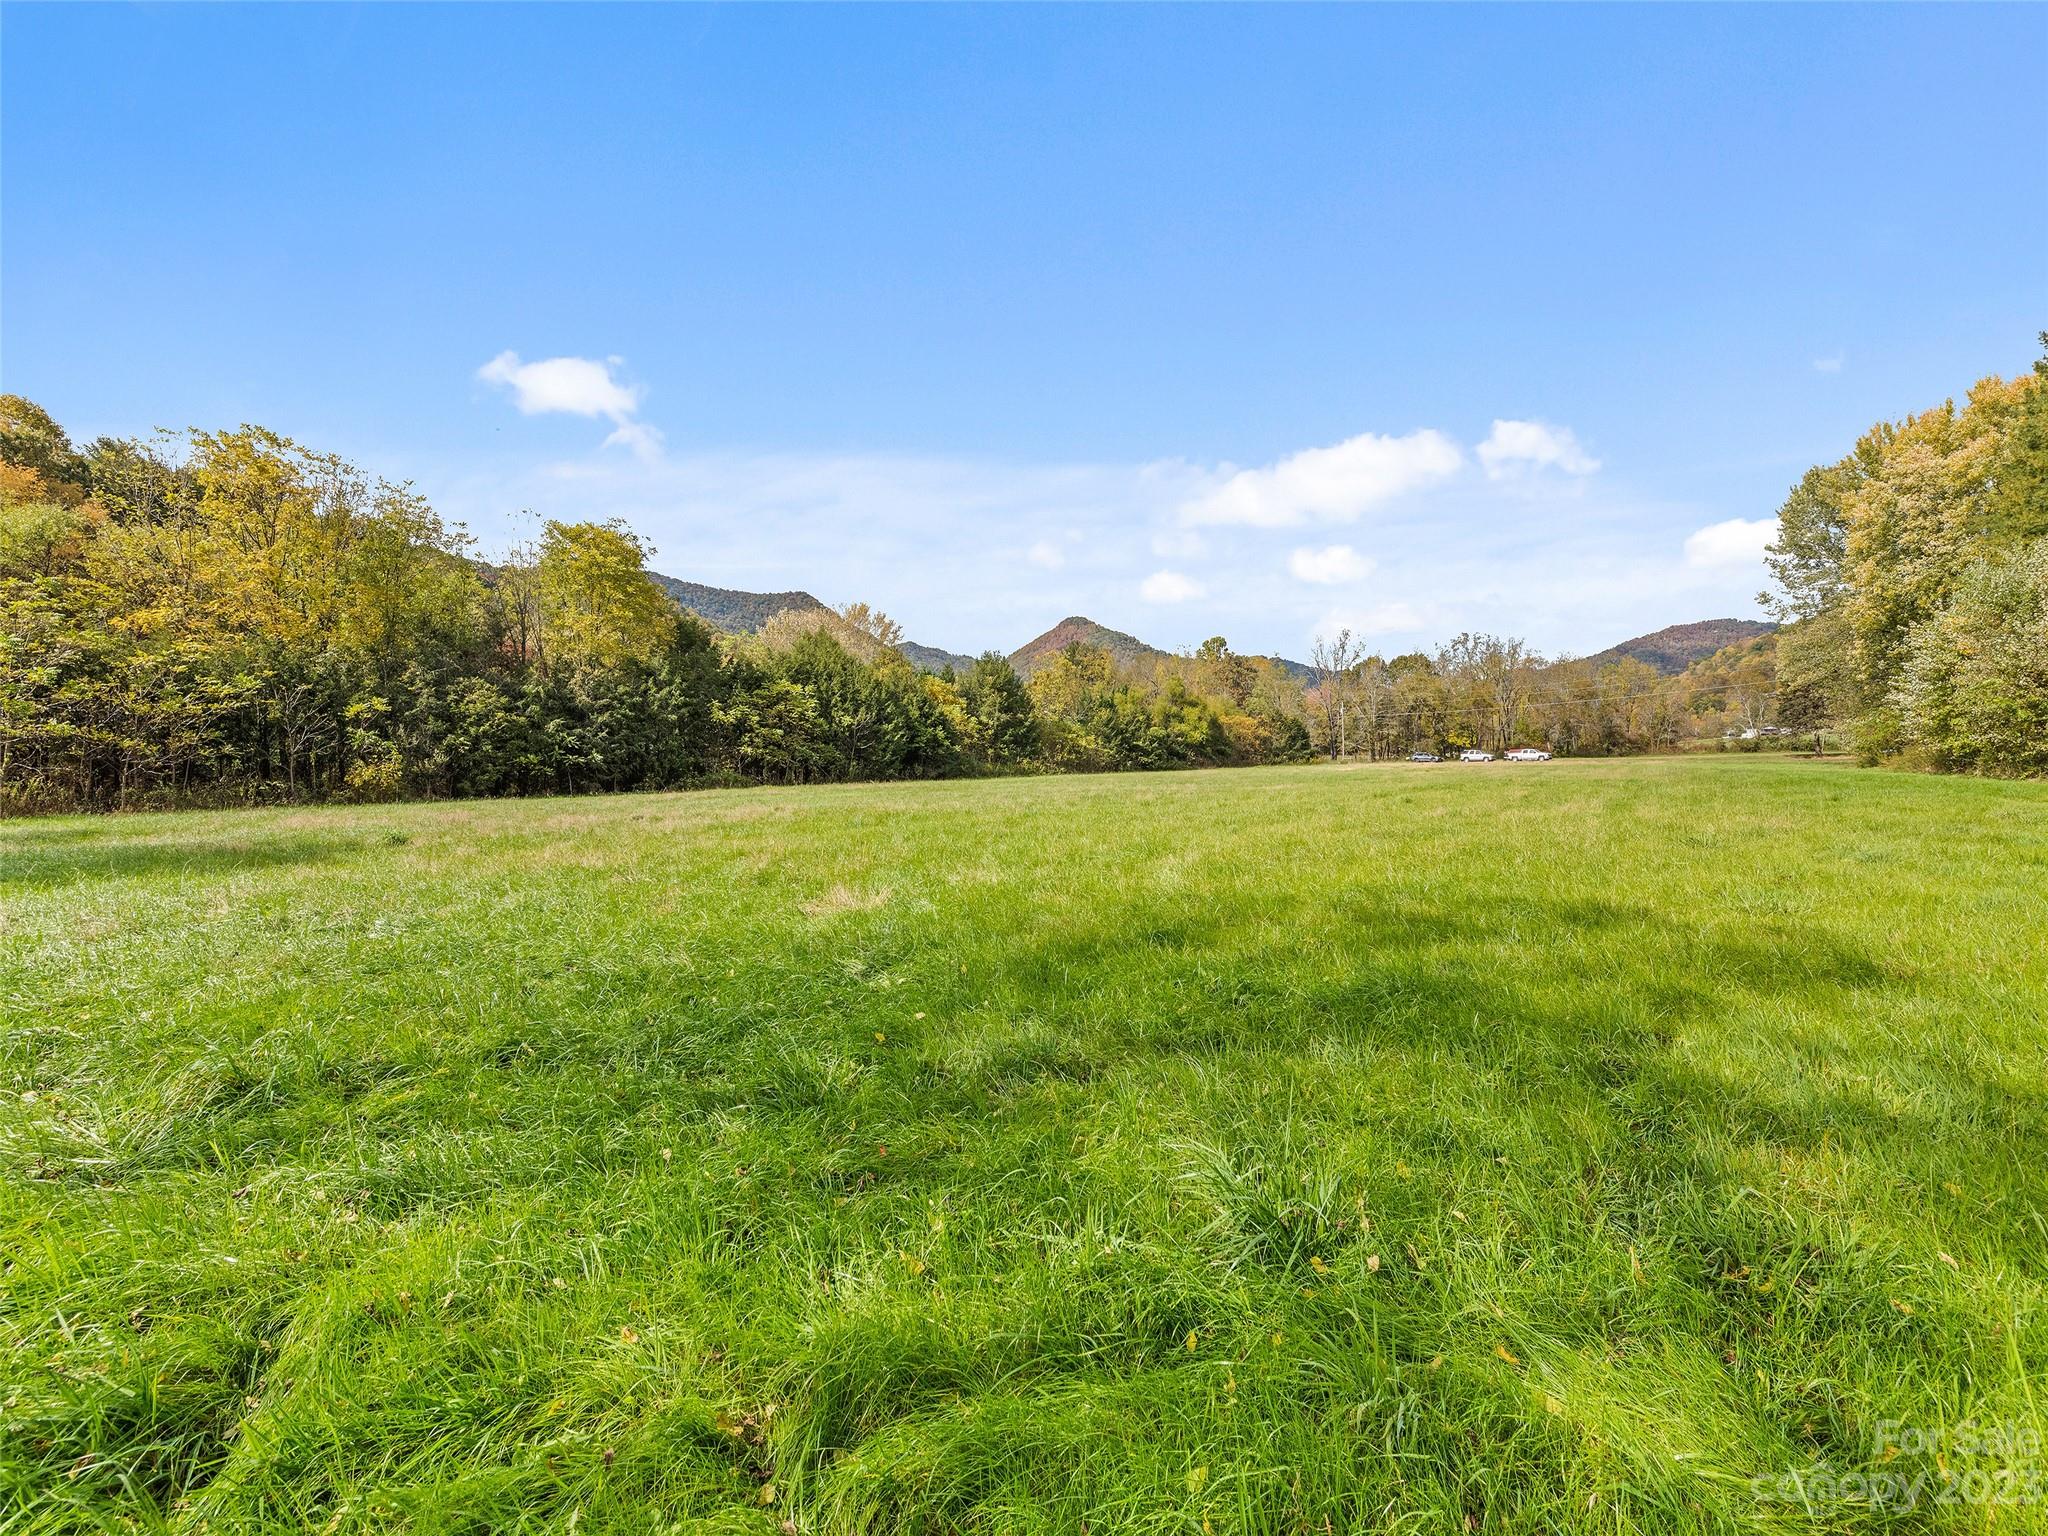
pixel 1253 321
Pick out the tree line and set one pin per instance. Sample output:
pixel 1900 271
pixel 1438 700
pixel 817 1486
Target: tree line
pixel 1495 692
pixel 1913 573
pixel 230 618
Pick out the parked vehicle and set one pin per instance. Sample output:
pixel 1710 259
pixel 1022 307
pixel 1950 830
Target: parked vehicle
pixel 1424 757
pixel 1528 755
pixel 1474 755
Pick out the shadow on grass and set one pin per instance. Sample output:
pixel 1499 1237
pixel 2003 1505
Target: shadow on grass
pixel 1443 972
pixel 1587 990
pixel 41 864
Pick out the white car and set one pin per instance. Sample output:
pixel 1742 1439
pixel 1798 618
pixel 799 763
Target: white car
pixel 1474 755
pixel 1528 755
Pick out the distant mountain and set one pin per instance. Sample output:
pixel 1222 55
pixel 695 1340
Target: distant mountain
pixel 929 658
pixel 737 613
pixel 743 613
pixel 1125 650
pixel 1671 650
pixel 1300 671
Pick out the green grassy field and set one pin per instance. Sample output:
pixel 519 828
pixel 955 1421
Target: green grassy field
pixel 1433 1149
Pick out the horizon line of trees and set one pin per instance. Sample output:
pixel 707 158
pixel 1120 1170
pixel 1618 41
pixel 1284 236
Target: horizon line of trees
pixel 231 618
pixel 1481 690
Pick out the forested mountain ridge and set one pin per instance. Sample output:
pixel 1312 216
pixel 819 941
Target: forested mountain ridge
pixel 1677 646
pixel 747 613
pixel 1125 650
pixel 733 611
pixel 931 658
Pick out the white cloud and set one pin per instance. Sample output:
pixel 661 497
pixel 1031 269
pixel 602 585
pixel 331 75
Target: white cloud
pixel 580 386
pixel 1380 619
pixel 638 436
pixel 1739 541
pixel 1828 364
pixel 1170 587
pixel 576 386
pixel 1332 485
pixel 1329 567
pixel 915 535
pixel 1513 447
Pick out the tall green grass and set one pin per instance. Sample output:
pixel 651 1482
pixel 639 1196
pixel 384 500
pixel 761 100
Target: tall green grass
pixel 1453 1149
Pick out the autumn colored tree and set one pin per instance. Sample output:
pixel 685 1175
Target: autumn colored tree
pixel 1880 557
pixel 596 605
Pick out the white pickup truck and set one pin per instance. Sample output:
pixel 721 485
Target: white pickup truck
pixel 1528 755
